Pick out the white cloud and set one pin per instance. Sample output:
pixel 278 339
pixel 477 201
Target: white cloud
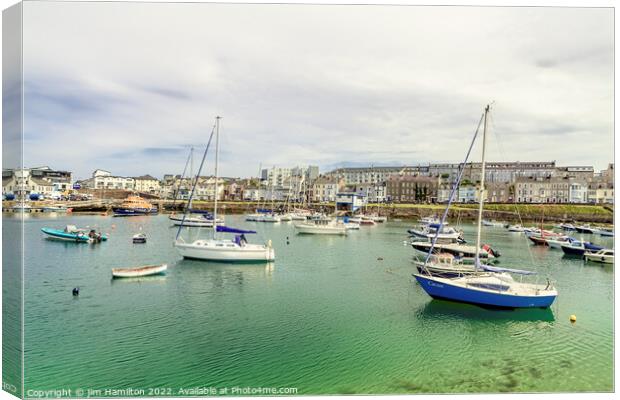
pixel 312 84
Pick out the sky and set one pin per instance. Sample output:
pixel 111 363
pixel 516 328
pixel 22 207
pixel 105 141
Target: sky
pixel 130 87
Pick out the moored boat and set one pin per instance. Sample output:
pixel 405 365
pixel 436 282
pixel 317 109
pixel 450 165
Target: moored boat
pixel 584 228
pixel 134 205
pixel 147 270
pixel 139 238
pixel 71 233
pixel 496 288
pixel 605 256
pixel 322 226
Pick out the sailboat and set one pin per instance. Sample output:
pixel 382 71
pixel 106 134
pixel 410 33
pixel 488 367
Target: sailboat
pixel 488 286
pixel 215 248
pixel 194 218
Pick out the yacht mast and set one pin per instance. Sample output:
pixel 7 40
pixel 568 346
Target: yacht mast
pixel 217 153
pixel 481 192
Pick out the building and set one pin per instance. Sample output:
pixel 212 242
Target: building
pixel 412 189
pixel 147 184
pixel 366 175
pixel 373 192
pixel 325 188
pixel 499 192
pixel 578 192
pixel 542 190
pixel 277 176
pixel 22 184
pixel 350 201
pixel 104 180
pixel 40 180
pixel 467 194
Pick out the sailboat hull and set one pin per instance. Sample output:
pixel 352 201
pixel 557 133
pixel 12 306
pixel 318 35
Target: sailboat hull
pixel 445 290
pixel 205 250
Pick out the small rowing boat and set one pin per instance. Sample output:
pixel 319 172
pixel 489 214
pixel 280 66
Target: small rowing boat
pixel 138 272
pixel 139 238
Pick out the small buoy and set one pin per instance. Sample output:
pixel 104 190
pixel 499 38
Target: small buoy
pixel 76 291
pixel 573 318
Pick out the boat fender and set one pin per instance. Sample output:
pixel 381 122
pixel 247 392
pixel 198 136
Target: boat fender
pixel 76 291
pixel 269 243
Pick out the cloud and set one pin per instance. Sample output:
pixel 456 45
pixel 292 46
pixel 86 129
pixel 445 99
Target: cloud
pixel 322 85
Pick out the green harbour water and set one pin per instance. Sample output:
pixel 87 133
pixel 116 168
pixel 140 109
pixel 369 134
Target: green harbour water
pixel 327 317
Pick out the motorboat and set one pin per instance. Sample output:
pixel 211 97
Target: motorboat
pixel 460 251
pixel 578 248
pixel 430 231
pixel 567 227
pixel 71 233
pixel 556 243
pixel 445 265
pixel 605 256
pixel 584 228
pixel 322 226
pixel 147 270
pixel 515 228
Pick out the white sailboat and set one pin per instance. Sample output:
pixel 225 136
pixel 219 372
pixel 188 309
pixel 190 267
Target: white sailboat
pixel 217 249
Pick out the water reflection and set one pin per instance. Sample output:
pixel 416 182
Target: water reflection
pixel 443 308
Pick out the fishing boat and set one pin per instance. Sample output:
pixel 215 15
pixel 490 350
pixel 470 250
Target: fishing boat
pixel 148 270
pixel 605 256
pixel 496 287
pixel 216 248
pixel 134 205
pixel 71 233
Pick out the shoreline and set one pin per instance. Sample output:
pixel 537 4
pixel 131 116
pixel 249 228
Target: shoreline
pixel 504 212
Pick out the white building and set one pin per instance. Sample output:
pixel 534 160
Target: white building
pixel 147 184
pixel 22 183
pixel 104 180
pixel 578 192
